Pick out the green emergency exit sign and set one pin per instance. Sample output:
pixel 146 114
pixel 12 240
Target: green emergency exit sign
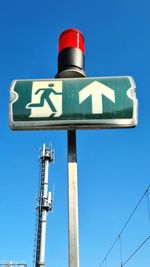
pixel 103 102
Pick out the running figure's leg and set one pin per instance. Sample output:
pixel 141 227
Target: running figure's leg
pixel 51 104
pixel 41 104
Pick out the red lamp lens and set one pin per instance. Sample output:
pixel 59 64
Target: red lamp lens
pixel 71 38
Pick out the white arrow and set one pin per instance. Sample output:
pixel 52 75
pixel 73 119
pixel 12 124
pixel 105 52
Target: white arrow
pixel 96 90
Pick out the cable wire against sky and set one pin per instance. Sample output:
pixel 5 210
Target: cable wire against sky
pixel 106 262
pixel 125 225
pixel 148 204
pixel 137 249
pixel 120 247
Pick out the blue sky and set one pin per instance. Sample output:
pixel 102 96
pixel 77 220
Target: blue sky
pixel 113 165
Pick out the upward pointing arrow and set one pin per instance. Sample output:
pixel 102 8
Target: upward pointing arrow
pixel 96 90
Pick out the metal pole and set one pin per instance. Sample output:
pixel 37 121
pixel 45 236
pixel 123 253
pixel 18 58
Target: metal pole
pixel 71 65
pixel 73 235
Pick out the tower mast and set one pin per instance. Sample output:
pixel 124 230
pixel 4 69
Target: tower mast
pixel 44 205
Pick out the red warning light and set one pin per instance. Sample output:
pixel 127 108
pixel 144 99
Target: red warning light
pixel 71 54
pixel 71 38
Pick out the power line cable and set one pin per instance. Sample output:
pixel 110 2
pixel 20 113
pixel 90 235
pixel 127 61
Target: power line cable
pixel 137 249
pixel 148 204
pixel 106 262
pixel 109 251
pixel 125 225
pixel 120 247
pixel 134 210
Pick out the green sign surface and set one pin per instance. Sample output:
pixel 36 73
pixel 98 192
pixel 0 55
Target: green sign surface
pixel 104 102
